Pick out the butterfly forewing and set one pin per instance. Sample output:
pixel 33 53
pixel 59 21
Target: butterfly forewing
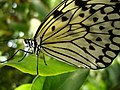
pixel 85 33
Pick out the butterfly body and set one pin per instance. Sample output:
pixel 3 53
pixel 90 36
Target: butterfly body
pixel 84 33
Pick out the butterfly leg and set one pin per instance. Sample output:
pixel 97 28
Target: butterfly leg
pixel 37 63
pixel 26 52
pixel 37 67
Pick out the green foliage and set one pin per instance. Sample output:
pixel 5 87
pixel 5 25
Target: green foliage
pixel 53 76
pixel 28 65
pixel 67 81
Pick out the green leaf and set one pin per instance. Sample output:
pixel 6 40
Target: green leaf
pixel 28 65
pixel 24 87
pixel 67 81
pixel 38 83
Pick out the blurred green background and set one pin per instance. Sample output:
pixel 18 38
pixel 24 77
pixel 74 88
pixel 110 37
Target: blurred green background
pixel 20 19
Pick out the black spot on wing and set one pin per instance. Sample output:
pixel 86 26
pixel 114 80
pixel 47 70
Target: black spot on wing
pixel 53 28
pixel 64 18
pixel 101 27
pixel 98 39
pixel 95 19
pixel 81 15
pixel 56 13
pixel 91 47
pixel 106 18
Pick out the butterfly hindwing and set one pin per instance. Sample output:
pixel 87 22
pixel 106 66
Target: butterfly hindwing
pixel 85 33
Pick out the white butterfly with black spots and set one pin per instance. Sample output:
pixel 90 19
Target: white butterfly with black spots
pixel 84 33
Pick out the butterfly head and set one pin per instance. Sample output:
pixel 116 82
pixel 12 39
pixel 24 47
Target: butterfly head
pixel 30 44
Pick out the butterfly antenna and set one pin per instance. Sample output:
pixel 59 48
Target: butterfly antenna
pixel 15 54
pixel 7 40
pixel 10 57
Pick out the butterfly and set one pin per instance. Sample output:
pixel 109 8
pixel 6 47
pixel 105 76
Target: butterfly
pixel 84 33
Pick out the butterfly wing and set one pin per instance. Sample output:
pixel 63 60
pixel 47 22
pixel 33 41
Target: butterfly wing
pixel 83 33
